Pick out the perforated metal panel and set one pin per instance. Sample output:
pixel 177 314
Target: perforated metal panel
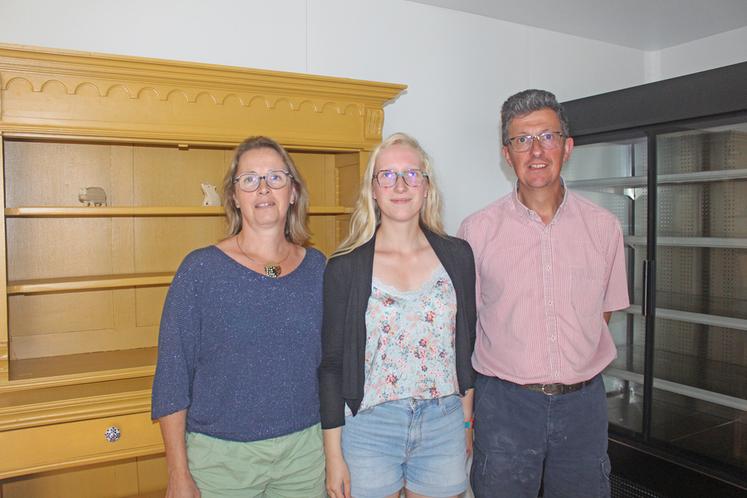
pixel 703 280
pixel 624 488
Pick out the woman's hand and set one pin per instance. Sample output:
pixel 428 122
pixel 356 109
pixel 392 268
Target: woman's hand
pixel 173 430
pixel 338 478
pixel 467 408
pixel 182 485
pixel 338 475
pixel 468 435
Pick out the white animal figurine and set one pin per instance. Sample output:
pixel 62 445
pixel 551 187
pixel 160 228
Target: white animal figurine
pixel 92 196
pixel 211 197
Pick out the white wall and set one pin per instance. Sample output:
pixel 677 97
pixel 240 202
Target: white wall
pixel 254 33
pixel 459 67
pixel 707 53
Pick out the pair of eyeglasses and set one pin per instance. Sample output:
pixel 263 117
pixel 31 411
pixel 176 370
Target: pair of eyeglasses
pixel 387 178
pixel 548 140
pixel 276 179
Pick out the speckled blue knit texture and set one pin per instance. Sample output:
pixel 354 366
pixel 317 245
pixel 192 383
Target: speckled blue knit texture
pixel 239 350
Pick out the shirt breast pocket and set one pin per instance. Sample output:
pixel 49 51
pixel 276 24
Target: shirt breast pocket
pixel 587 292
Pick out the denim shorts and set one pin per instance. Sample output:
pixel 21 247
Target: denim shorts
pixel 417 444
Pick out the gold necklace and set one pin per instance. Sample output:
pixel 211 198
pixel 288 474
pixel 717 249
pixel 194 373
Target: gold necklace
pixel 272 270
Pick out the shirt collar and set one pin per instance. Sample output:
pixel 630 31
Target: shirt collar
pixel 530 215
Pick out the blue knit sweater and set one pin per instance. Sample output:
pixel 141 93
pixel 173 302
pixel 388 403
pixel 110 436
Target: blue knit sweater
pixel 239 350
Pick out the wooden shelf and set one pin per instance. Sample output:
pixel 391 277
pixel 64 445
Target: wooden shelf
pixel 92 282
pixel 83 368
pixel 109 211
pixel 36 406
pixel 318 210
pixel 116 211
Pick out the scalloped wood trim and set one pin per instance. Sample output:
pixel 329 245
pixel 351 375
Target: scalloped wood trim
pixel 136 98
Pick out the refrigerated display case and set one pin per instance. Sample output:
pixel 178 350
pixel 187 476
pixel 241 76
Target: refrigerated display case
pixel 669 159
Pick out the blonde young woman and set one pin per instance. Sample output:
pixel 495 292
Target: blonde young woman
pixel 235 389
pixel 397 336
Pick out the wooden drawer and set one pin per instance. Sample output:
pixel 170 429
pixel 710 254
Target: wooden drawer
pixel 70 444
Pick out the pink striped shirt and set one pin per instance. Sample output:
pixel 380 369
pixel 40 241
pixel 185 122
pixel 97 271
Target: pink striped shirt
pixel 542 289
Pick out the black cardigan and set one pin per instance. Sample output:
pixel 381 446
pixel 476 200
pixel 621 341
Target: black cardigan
pixel 347 288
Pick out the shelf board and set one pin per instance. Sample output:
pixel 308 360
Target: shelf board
pixel 92 282
pixel 665 179
pixel 690 317
pixel 110 211
pixel 681 389
pixel 42 404
pixel 116 211
pixel 316 210
pixel 709 380
pixel 712 242
pixel 83 368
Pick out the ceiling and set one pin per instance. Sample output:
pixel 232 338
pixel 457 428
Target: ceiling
pixel 641 24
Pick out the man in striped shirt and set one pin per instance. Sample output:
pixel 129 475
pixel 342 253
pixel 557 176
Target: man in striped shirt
pixel 550 271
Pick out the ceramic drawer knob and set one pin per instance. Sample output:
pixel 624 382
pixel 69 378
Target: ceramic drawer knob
pixel 113 434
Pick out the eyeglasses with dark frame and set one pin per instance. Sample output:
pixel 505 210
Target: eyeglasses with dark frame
pixel 548 140
pixel 275 179
pixel 387 178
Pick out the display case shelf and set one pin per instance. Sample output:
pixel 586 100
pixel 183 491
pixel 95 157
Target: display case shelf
pixel 683 389
pixel 690 317
pixel 706 305
pixel 710 242
pixel 717 382
pixel 666 179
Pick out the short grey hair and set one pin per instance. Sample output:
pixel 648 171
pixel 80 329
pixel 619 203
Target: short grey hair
pixel 527 101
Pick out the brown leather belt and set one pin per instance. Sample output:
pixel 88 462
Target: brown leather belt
pixel 554 389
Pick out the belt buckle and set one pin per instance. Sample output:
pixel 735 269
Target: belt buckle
pixel 544 389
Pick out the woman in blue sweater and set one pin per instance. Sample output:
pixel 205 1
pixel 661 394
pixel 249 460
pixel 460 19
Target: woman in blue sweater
pixel 235 389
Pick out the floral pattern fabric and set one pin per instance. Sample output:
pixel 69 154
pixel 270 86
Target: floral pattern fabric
pixel 410 342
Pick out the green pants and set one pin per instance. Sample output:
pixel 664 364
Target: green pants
pixel 290 466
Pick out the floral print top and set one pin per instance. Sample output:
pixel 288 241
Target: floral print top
pixel 410 342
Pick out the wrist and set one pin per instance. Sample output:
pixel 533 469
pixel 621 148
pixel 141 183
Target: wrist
pixel 469 424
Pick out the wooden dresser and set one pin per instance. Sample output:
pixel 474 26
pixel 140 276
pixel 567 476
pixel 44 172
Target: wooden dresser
pixel 83 286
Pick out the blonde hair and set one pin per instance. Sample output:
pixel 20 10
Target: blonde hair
pixel 366 215
pixel 296 230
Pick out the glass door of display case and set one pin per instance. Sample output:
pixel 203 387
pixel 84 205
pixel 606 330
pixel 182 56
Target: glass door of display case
pixel 613 173
pixel 699 401
pixel 680 193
